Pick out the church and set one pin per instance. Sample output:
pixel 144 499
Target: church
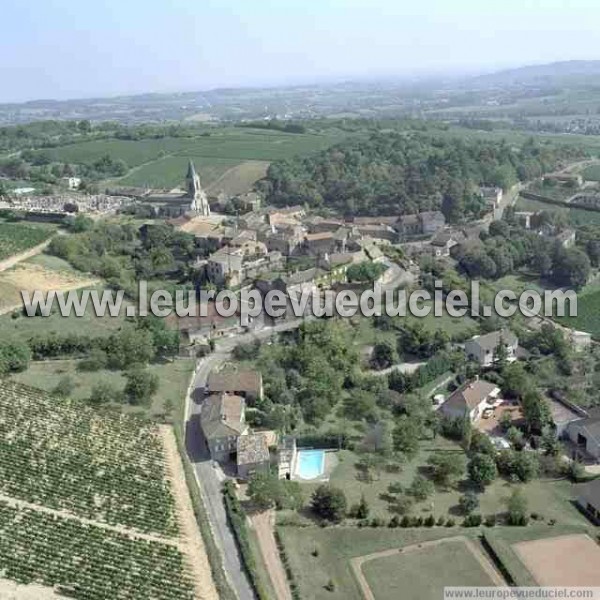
pixel 175 203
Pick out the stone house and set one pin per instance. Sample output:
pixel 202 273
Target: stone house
pixel 223 421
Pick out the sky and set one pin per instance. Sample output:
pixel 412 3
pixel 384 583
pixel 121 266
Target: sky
pixel 60 49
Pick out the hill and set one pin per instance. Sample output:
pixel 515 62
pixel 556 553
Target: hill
pixel 572 73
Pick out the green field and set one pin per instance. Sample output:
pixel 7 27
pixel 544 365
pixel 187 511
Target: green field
pixel 163 162
pixel 577 216
pixel 16 238
pixel 174 379
pixel 423 574
pixel 591 173
pixel 23 328
pixel 588 312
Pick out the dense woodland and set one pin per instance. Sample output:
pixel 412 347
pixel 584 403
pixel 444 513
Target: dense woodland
pixel 406 172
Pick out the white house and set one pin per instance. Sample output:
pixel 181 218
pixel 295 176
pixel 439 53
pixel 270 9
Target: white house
pixel 483 348
pixel 470 400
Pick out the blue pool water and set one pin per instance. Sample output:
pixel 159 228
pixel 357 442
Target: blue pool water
pixel 310 464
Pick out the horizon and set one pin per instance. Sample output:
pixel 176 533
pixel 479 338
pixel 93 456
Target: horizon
pixel 49 50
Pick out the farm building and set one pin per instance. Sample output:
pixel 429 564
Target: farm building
pixel 588 498
pixel 247 384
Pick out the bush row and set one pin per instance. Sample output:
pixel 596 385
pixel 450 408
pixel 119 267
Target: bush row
pixel 237 521
pixel 286 565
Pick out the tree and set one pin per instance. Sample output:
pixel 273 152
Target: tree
pixel 447 467
pixel 482 444
pixel 420 488
pixel 406 436
pixel 505 421
pixel 571 267
pixel 14 357
pixel 550 442
pixel 482 469
pixel 515 437
pixel 130 346
pixel 522 466
pixel 536 411
pixel 362 510
pixel 517 508
pixel 64 387
pixel 141 385
pixel 384 355
pixel 104 393
pixel 468 502
pixel 329 503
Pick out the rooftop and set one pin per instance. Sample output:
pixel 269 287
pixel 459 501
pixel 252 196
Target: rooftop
pixel 252 448
pixel 222 415
pixel 235 381
pixel 471 394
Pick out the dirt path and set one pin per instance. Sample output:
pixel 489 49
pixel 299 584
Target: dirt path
pixel 263 525
pixel 17 258
pixel 191 542
pixel 9 590
pixel 100 524
pixel 485 563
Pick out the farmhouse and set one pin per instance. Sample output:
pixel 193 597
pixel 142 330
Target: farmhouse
pixel 252 454
pixel 247 384
pixel 484 348
pixel 470 400
pixel 223 420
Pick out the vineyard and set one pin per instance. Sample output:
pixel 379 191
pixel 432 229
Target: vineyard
pixel 86 506
pixel 86 562
pixel 16 238
pixel 64 455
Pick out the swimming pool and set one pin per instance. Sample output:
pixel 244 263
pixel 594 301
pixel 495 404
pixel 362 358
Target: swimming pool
pixel 310 464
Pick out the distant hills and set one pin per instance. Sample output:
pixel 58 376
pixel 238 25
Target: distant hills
pixel 574 73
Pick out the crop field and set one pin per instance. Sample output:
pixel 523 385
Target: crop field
pixel 64 455
pixel 163 162
pixel 94 504
pixel 16 238
pixel 421 571
pixel 88 562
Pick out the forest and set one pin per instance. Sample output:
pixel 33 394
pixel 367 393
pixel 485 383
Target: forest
pixel 406 172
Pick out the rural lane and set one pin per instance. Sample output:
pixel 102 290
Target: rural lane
pixel 209 475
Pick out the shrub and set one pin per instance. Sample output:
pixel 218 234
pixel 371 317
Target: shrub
pixel 429 521
pixel 450 522
pixel 490 521
pixel 473 520
pixel 441 521
pixel 394 521
pixel 405 522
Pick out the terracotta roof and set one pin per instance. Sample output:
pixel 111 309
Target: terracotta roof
pixel 470 394
pixel 235 381
pixel 252 448
pixel 222 415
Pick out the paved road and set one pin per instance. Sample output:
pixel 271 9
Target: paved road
pixel 209 474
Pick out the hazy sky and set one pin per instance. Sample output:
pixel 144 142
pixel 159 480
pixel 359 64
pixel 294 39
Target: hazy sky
pixel 81 48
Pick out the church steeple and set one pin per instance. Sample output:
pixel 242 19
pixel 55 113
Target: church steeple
pixel 195 192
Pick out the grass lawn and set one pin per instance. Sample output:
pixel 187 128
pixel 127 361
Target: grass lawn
pixel 335 546
pixel 174 379
pixel 548 497
pixel 23 328
pixel 422 574
pixel 591 173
